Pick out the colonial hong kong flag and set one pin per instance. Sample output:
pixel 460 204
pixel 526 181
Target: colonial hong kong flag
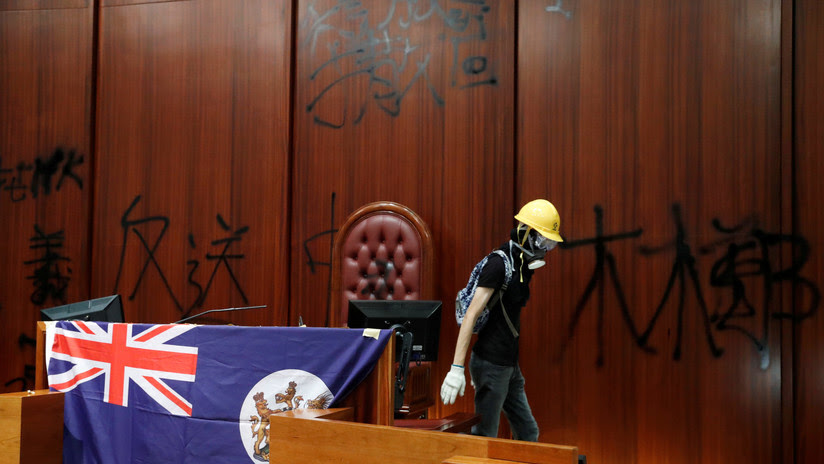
pixel 142 393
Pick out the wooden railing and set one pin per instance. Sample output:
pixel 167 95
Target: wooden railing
pixel 312 441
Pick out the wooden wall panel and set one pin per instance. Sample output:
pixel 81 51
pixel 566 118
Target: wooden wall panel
pixel 191 205
pixel 211 179
pixel 633 112
pixel 45 171
pixel 809 223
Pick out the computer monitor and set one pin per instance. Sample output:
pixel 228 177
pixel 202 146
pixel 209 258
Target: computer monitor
pixel 422 318
pixel 106 309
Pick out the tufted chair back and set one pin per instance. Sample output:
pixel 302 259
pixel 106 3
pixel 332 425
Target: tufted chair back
pixel 382 252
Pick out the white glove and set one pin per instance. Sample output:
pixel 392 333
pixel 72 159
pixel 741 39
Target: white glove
pixel 453 385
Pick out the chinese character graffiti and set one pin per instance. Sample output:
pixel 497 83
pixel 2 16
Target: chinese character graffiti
pixel 61 165
pixel 48 278
pixel 750 253
pixel 604 263
pixel 150 232
pixel 374 61
pixel 683 268
pixel 223 258
pixel 131 228
pixel 312 262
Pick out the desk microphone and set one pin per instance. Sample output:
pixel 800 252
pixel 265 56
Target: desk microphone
pixel 217 311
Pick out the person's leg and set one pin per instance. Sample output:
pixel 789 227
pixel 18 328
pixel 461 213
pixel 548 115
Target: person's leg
pixel 491 383
pixel 517 410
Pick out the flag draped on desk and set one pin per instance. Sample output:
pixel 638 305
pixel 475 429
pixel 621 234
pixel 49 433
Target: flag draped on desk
pixel 142 393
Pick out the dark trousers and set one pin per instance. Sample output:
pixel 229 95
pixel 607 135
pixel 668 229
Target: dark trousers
pixel 501 388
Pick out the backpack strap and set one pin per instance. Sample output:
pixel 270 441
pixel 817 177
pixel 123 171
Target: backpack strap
pixel 508 321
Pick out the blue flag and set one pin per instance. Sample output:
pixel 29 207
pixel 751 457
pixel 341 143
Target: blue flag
pixel 142 393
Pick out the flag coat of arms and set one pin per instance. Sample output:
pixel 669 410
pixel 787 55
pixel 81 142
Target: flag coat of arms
pixel 144 393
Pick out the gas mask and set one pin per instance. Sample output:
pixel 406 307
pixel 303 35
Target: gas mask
pixel 533 246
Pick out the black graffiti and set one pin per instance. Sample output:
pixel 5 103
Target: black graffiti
pixel 131 226
pixel 16 188
pixel 604 262
pixel 43 171
pixel 749 254
pixel 311 262
pixel 223 259
pixel 48 278
pixel 683 268
pixel 24 340
pixel 371 55
pixel 25 379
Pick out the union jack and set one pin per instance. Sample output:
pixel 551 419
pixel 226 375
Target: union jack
pixel 114 352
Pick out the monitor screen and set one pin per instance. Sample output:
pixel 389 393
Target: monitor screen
pixel 106 309
pixel 420 317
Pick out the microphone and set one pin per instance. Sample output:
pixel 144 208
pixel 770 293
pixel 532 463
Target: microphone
pixel 217 311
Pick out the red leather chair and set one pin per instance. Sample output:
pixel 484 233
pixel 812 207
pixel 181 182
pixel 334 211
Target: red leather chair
pixel 384 251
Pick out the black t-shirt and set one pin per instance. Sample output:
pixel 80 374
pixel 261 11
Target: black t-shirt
pixel 496 343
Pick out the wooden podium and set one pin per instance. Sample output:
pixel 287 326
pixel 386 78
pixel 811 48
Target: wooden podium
pixel 31 427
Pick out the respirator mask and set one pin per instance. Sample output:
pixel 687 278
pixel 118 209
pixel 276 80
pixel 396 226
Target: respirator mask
pixel 533 246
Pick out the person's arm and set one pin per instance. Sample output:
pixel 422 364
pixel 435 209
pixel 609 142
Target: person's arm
pixel 479 301
pixel 455 381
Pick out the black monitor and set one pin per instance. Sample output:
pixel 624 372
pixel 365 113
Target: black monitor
pixel 422 318
pixel 106 309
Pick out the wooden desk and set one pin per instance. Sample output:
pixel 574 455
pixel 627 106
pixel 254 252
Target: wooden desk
pixel 31 427
pixel 460 422
pixel 312 441
pixel 343 414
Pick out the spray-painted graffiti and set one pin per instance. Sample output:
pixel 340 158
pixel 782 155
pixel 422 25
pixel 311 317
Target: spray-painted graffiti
pixel 150 232
pixel 604 261
pixel 48 277
pixel 223 258
pixel 683 267
pixel 749 253
pixel 38 177
pixel 312 263
pixel 373 59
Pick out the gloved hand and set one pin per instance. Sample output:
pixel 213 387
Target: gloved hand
pixel 453 385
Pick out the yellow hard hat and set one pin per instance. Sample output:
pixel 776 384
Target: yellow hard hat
pixel 542 216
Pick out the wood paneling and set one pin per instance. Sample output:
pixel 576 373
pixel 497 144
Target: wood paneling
pixel 808 334
pixel 679 140
pixel 192 142
pixel 45 173
pixel 631 113
pixel 11 5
